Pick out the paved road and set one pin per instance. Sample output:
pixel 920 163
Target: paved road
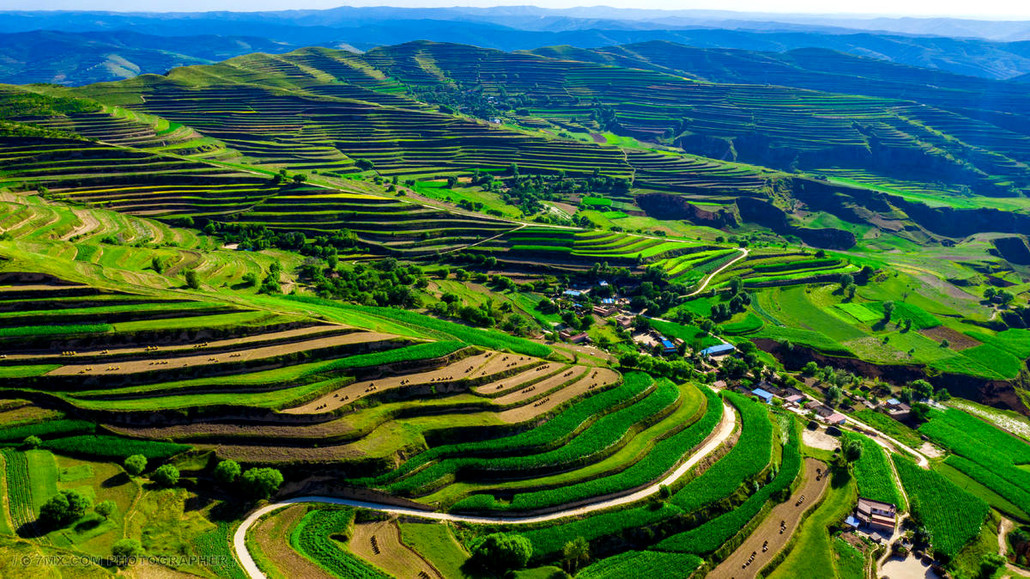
pixel 735 566
pixel 722 433
pixel 743 253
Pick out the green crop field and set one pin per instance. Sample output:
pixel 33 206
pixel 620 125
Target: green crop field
pixel 951 516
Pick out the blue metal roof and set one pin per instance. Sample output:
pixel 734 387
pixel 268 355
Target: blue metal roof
pixel 719 349
pixel 608 301
pixel 851 521
pixel 894 402
pixel 667 343
pixel 573 292
pixel 762 393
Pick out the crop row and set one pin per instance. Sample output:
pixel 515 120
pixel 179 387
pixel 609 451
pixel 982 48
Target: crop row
pixel 555 431
pixel 492 339
pixel 951 515
pixel 314 538
pixel 874 474
pixel 744 461
pixel 715 533
pixel 990 456
pixel 19 491
pixel 114 447
pixel 600 437
pixel 45 429
pixel 650 564
pixel 664 456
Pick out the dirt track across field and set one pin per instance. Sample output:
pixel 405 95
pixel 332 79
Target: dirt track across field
pixel 736 566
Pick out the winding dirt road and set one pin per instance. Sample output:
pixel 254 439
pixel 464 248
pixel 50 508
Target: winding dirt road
pixel 726 427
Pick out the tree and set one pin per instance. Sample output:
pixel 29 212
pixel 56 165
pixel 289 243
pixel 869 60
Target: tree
pixel 63 508
pixel 261 483
pixel 135 464
pixel 922 389
pixel 125 551
pixel 888 310
pixel 736 284
pixel 846 279
pixel 192 279
pixel 104 508
pixel 850 290
pixel 166 475
pixel 834 395
pixel 851 450
pixel 920 413
pixel 990 563
pixel 157 265
pixel 32 442
pixel 502 552
pixel 575 554
pixel 227 472
pixel 942 395
pixel 809 369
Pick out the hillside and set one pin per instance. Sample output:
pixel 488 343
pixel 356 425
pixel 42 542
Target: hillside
pixel 636 309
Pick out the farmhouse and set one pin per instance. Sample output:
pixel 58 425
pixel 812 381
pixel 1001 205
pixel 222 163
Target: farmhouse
pixel 719 350
pixel 625 321
pixel 605 310
pixel 765 395
pixel 879 516
pixel 836 419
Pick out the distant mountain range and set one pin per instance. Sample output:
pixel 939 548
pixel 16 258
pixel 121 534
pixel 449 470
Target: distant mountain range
pixel 78 48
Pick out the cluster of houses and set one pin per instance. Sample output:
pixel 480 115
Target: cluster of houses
pixel 794 399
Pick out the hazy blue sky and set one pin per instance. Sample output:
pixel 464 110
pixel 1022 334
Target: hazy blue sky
pixel 987 9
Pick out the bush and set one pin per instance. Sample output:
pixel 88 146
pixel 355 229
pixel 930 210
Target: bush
pixel 227 472
pixel 124 551
pixel 192 279
pixel 135 464
pixel 32 442
pixel 104 508
pixel 166 476
pixel 262 483
pixel 63 508
pixel 501 552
